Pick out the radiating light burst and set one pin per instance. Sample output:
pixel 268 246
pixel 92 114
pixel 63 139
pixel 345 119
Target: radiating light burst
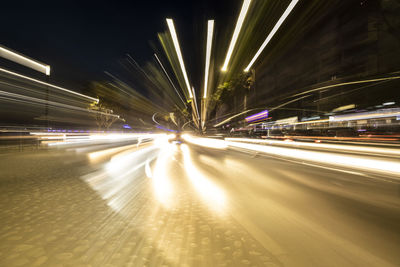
pixel 239 24
pixel 272 33
pixel 209 191
pixel 172 30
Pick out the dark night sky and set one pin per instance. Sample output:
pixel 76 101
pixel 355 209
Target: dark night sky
pixel 81 39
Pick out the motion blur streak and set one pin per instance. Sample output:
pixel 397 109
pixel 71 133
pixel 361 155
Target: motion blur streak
pixel 48 84
pixel 272 33
pixel 106 152
pixel 211 193
pixel 161 182
pixel 63 139
pixel 239 23
pixel 172 30
pixel 333 147
pixel 210 29
pixel 113 182
pixel 205 142
pixel 10 55
pixel 377 165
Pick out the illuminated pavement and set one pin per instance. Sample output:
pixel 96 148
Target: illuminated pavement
pixel 185 205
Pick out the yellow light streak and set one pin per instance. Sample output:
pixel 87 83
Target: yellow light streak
pixel 171 27
pixel 210 29
pixel 239 24
pixel 272 33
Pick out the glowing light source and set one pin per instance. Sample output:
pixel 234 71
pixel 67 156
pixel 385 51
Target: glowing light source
pixel 210 29
pixel 272 33
pixel 389 103
pixel 239 23
pixel 50 85
pixel 171 27
pixel 23 60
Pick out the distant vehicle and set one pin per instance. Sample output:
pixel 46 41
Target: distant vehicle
pixel 177 139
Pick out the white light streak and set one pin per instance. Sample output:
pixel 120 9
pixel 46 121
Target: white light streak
pixel 20 59
pixel 171 27
pixel 210 29
pixel 272 33
pixel 165 72
pixel 205 142
pixel 385 166
pixel 50 85
pixel 331 147
pixel 389 103
pixel 239 23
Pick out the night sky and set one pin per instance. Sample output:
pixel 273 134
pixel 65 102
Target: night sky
pixel 81 40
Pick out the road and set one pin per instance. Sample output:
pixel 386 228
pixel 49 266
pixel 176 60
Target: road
pixel 163 204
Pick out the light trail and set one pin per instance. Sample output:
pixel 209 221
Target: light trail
pixel 169 79
pixel 239 24
pixel 272 33
pixel 348 83
pixel 32 100
pixel 210 29
pixel 246 111
pixel 384 166
pixel 332 147
pixel 50 85
pixel 205 142
pixel 23 60
pixel 171 27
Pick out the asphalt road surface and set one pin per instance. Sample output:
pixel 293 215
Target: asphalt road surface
pixel 186 205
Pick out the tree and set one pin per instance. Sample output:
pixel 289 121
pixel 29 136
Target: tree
pixel 104 116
